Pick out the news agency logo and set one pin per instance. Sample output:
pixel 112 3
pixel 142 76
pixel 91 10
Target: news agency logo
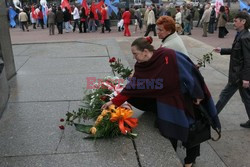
pixel 133 83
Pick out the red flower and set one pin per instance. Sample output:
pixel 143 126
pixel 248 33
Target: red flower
pixel 61 120
pixel 61 127
pixel 113 59
pixel 103 98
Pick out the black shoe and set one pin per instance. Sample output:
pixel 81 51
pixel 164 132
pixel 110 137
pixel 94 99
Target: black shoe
pixel 189 33
pixel 245 125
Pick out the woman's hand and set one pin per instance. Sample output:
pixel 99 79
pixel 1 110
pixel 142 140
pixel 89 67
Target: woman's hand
pixel 197 101
pixel 106 105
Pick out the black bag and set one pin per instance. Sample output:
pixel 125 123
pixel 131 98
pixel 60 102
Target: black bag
pixel 200 130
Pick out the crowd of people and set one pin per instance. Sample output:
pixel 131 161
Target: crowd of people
pixel 89 19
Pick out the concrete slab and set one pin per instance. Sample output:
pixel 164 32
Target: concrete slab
pixel 234 148
pixel 65 49
pixel 31 128
pixel 58 66
pixel 88 159
pixel 49 87
pixel 18 50
pixel 20 61
pixel 153 149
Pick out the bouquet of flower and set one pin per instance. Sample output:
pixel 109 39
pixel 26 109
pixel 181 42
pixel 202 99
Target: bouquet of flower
pixel 109 122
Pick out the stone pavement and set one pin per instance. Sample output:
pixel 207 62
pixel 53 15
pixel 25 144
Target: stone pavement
pixel 50 79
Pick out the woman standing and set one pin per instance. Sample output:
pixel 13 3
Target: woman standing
pixel 222 21
pixel 126 17
pixel 176 88
pixel 170 39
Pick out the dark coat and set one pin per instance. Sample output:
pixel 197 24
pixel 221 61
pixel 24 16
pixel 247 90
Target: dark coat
pixel 239 68
pixel 59 16
pixel 51 18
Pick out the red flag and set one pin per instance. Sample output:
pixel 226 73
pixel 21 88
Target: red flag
pixel 85 5
pixel 65 4
pixel 99 6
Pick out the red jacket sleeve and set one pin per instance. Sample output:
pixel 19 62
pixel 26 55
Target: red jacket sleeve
pixel 119 99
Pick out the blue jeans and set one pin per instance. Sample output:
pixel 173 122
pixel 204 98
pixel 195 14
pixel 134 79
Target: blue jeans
pixel 187 27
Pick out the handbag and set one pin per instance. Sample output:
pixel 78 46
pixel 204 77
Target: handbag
pixel 200 130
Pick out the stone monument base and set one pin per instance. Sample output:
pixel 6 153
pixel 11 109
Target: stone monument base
pixel 4 90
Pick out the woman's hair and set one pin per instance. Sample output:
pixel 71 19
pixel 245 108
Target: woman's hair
pixel 244 15
pixel 167 22
pixel 222 9
pixel 143 43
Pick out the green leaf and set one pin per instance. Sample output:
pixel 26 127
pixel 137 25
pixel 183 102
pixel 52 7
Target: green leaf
pixel 83 128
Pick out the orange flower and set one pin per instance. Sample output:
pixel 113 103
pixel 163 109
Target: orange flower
pixel 123 115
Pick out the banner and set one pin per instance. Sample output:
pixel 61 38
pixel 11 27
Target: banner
pixel 244 5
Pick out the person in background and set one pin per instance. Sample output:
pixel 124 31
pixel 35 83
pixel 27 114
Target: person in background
pixel 172 99
pixel 40 17
pixel 201 11
pixel 178 21
pixel 126 17
pixel 23 19
pixel 151 22
pixel 138 18
pixel 205 19
pixel 66 19
pixel 212 20
pixel 76 17
pixel 239 68
pixel 51 21
pixel 59 20
pixel 33 18
pixel 91 25
pixel 186 20
pixel 222 21
pixel 145 19
pixel 107 19
pixel 83 20
pixel 170 39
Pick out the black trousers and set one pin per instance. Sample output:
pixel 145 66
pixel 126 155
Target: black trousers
pixel 222 32
pixel 84 23
pixel 191 153
pixel 76 22
pixel 151 27
pixel 60 27
pixel 229 91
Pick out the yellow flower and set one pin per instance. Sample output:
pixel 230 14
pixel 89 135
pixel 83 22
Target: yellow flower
pixel 104 112
pixel 93 130
pixel 99 119
pixel 112 107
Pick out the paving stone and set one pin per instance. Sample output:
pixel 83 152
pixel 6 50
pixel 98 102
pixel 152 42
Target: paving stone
pixel 31 128
pixel 153 149
pixel 49 87
pixel 65 49
pixel 234 152
pixel 121 158
pixel 20 61
pixel 48 65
